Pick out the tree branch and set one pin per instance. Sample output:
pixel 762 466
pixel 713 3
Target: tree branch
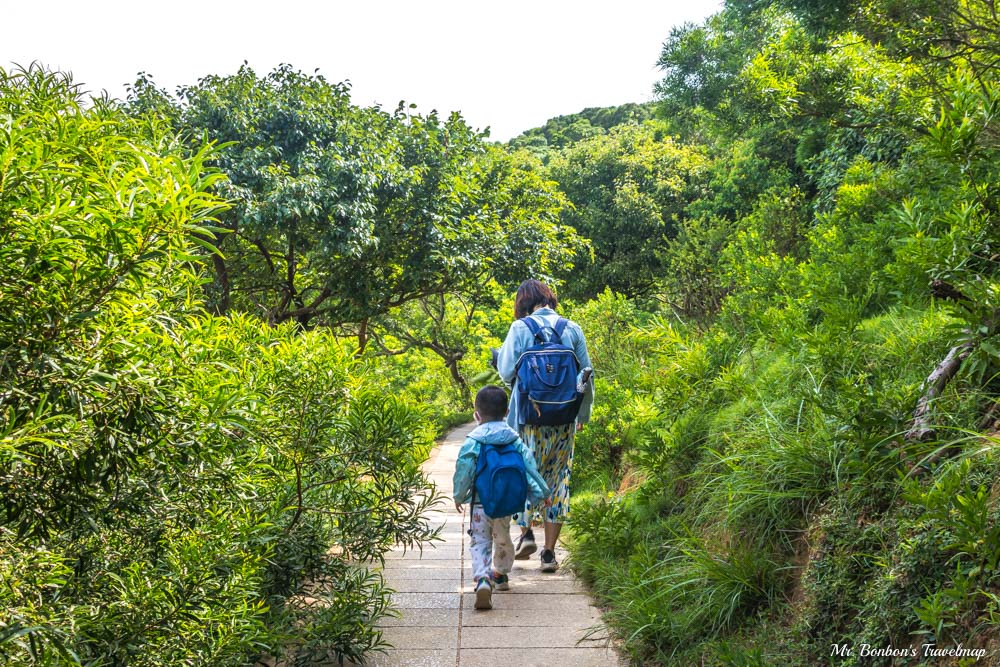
pixel 935 383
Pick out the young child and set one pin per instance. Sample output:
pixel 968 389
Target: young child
pixel 490 544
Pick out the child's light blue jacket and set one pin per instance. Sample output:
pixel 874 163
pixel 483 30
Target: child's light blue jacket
pixel 519 338
pixel 494 433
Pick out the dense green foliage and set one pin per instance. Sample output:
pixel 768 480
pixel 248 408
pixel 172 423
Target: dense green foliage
pixel 771 469
pixel 627 190
pixel 562 131
pixel 380 224
pixel 176 488
pixel 232 320
pixel 200 448
pixel 341 213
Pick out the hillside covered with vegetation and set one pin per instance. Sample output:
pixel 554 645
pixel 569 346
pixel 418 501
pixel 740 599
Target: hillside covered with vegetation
pixel 797 394
pixel 562 131
pixel 233 317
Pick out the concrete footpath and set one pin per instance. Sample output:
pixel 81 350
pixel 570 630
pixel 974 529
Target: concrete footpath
pixel 542 620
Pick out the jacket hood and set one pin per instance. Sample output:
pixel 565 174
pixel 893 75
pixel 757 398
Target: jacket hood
pixel 494 433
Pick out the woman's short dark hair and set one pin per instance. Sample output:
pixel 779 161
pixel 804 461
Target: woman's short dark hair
pixel 491 403
pixel 532 294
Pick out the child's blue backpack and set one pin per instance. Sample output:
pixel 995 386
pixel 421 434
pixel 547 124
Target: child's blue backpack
pixel 501 482
pixel 546 378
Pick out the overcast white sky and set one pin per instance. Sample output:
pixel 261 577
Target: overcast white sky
pixel 507 65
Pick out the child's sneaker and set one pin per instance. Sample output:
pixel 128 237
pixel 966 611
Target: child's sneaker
pixel 549 562
pixel 525 546
pixel 484 594
pixel 502 581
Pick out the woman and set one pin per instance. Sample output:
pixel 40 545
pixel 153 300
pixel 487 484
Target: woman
pixel 552 445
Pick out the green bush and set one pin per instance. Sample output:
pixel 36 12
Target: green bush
pixel 177 488
pixel 746 458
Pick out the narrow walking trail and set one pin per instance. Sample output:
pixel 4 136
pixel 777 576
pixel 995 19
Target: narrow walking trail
pixel 542 620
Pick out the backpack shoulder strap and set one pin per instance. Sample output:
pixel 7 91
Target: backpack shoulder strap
pixel 506 444
pixel 560 328
pixel 533 327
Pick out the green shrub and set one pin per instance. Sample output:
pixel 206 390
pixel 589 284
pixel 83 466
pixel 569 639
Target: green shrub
pixel 177 488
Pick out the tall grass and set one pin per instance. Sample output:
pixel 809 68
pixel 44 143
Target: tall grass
pixel 769 488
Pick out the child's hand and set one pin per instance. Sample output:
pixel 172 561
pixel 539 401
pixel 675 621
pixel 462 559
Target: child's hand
pixel 548 502
pixel 458 507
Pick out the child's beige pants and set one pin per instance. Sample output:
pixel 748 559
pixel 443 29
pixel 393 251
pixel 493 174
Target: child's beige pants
pixel 490 544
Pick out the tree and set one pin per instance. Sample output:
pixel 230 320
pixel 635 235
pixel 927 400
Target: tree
pixel 342 213
pixel 511 215
pixel 301 177
pixel 175 487
pixel 562 131
pixel 701 64
pixel 628 190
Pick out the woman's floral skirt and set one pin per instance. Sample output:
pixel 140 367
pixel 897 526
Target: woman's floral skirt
pixel 553 449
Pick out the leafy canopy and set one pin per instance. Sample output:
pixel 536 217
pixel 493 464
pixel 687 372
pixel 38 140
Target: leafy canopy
pixel 342 213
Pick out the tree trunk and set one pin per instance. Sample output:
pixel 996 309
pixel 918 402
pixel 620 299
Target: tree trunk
pixel 222 275
pixel 303 320
pixel 362 337
pixel 460 383
pixel 933 386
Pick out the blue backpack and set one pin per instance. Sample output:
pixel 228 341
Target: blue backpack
pixel 501 482
pixel 546 378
